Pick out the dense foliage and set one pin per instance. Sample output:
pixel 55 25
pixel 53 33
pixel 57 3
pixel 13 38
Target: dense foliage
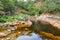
pixel 47 6
pixel 28 6
pixel 50 6
pixel 8 7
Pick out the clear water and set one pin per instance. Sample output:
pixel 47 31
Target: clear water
pixel 32 37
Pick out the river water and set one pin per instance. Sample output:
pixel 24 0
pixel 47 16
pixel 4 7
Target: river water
pixel 33 36
pixel 23 35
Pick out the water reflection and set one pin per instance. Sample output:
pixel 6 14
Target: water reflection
pixel 32 37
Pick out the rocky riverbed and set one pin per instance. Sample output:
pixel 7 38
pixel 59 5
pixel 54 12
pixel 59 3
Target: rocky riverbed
pixel 45 26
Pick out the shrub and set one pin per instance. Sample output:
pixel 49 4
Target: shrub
pixel 29 6
pixel 50 6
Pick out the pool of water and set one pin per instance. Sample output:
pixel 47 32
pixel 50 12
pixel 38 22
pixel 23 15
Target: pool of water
pixel 33 36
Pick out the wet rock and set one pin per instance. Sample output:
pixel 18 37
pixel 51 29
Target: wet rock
pixel 2 34
pixel 23 24
pixel 15 24
pixel 5 33
pixel 12 26
pixel 49 35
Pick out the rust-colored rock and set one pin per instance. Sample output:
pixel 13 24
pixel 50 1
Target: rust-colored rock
pixel 23 24
pixel 20 24
pixel 49 35
pixel 15 25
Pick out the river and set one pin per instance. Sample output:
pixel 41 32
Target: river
pixel 22 35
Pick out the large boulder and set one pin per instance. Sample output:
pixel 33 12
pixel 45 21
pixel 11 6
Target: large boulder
pixel 50 23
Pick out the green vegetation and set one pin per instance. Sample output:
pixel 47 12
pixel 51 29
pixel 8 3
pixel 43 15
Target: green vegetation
pixel 8 5
pixel 8 8
pixel 5 18
pixel 28 6
pixel 50 6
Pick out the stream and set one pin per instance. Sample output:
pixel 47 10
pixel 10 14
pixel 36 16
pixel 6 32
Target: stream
pixel 22 35
pixel 33 36
pixel 40 30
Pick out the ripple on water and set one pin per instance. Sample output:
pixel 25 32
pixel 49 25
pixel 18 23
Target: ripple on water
pixel 32 37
